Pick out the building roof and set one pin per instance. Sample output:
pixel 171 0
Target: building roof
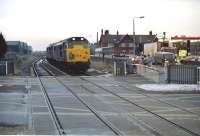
pixel 116 39
pixel 10 43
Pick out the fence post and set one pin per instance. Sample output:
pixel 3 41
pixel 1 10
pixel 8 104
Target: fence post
pixel 168 73
pixel 6 67
pixel 198 78
pixel 125 70
pixel 115 69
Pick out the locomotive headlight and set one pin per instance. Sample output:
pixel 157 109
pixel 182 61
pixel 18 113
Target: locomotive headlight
pixel 71 56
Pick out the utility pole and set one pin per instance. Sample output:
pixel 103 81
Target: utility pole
pixel 134 39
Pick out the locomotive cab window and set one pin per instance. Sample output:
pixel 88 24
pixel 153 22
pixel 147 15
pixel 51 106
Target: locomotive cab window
pixel 86 44
pixel 70 45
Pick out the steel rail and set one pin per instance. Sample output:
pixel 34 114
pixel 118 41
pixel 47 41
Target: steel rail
pixel 141 107
pixel 50 105
pixel 115 130
pixel 162 101
pixel 53 67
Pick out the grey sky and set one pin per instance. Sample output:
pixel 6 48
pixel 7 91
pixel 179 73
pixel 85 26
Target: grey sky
pixel 40 22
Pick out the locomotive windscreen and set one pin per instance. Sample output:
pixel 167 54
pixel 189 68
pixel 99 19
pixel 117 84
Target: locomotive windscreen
pixel 78 41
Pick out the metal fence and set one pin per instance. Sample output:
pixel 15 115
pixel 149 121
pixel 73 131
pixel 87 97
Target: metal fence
pixel 180 74
pixel 183 74
pixel 104 60
pixel 121 65
pixel 6 67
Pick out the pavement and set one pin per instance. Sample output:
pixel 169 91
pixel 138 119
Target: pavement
pixel 25 111
pixel 14 105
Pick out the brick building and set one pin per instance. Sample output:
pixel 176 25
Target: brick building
pixel 124 43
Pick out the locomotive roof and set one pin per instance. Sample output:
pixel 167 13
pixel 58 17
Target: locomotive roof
pixel 67 40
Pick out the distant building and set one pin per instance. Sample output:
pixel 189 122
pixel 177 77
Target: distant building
pixel 18 47
pixel 124 43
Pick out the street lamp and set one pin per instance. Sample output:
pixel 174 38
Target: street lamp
pixel 134 43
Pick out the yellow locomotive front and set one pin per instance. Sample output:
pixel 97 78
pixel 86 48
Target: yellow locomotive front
pixel 78 53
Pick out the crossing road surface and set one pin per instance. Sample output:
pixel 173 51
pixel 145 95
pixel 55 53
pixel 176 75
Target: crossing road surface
pixel 94 105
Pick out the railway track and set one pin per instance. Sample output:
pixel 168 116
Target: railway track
pixel 49 68
pixel 107 123
pixel 145 109
pixel 58 72
pixel 55 72
pixel 159 100
pixel 115 130
pixel 49 103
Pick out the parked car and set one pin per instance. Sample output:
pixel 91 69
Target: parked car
pixel 191 60
pixel 164 57
pixel 137 60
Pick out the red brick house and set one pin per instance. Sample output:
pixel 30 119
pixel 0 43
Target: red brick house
pixel 124 43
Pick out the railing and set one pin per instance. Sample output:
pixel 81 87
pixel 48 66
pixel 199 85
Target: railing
pixel 122 67
pixel 183 74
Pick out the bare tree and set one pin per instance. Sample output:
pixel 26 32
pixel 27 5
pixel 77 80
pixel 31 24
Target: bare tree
pixel 3 46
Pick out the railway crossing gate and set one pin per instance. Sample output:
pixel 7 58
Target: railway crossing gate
pixel 123 66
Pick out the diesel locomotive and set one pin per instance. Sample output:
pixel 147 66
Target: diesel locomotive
pixel 72 54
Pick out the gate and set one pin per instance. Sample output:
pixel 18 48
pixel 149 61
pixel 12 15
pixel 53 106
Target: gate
pixel 123 66
pixel 120 68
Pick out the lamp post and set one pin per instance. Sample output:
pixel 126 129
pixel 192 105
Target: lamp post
pixel 134 43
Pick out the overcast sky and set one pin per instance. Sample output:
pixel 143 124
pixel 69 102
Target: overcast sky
pixel 40 22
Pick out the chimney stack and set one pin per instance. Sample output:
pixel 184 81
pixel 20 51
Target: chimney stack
pixel 106 32
pixel 101 31
pixel 150 33
pixel 117 32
